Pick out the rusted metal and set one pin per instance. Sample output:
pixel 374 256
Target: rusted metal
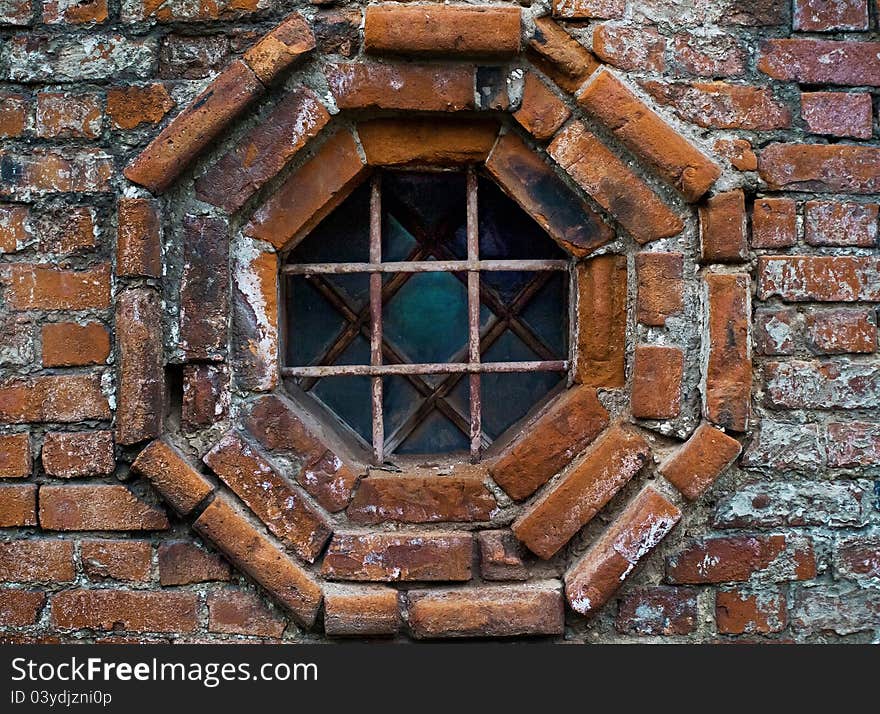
pixel 473 293
pixel 426 266
pixel 368 370
pixel 376 319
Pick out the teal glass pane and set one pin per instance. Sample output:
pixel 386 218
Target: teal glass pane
pixel 546 314
pixel 397 243
pixel 435 435
pixel 431 204
pixel 399 399
pixel 343 236
pixel 312 323
pixel 427 318
pixel 349 397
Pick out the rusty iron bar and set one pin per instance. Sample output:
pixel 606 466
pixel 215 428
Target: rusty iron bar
pixel 376 319
pixel 426 266
pixel 387 370
pixel 473 294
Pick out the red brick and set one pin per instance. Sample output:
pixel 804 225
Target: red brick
pixel 280 48
pixel 15 229
pixel 774 223
pixel 329 480
pixel 602 311
pixel 172 475
pixel 738 152
pixel 97 508
pixel 129 560
pixel 694 467
pixel 723 228
pixel 74 454
pixel 338 32
pixel 549 442
pixel 777 331
pixel 531 182
pixel 838 113
pixel 69 344
pixel 397 557
pixel 187 57
pixel 45 287
pixel 582 9
pixel 508 611
pixel 837 223
pixel 67 229
pixel 501 556
pixel 803 278
pixel 204 289
pixel 561 57
pixel 310 193
pixel 643 131
pixel 436 29
pixel 263 151
pixel 720 105
pixel 656 387
pixel 88 11
pixel 41 171
pixel 360 611
pixel 423 496
pixel 257 556
pixel 729 368
pixel 853 444
pixel 205 395
pixel 195 127
pixel 738 612
pixel 237 612
pixel 284 509
pixel 611 183
pixel 738 558
pixel 660 279
pixel 138 238
pixel 125 610
pixel 821 167
pixel 183 563
pixel 55 398
pixel 65 115
pixel 841 331
pixel 658 611
pixel 634 49
pixel 709 55
pixel 551 521
pixel 19 608
pixel 36 561
pixel 632 536
pixel 14 112
pixel 819 16
pixel 18 505
pixel 129 107
pixel 857 557
pixel 15 455
pixel 812 61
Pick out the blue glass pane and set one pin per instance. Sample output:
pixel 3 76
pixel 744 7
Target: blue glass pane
pixel 427 318
pixel 343 236
pixel 435 202
pixel 435 435
pixel 349 397
pixel 397 243
pixel 312 323
pixel 399 400
pixel 547 314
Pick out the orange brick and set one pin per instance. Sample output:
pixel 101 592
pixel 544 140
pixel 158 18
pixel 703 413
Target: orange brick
pixel 66 230
pixel 844 168
pixel 738 152
pixel 723 228
pixel 97 508
pixel 561 57
pixel 172 475
pixel 237 612
pixel 738 612
pixel 68 344
pixel 14 112
pixel 15 455
pixel 774 223
pixel 694 467
pixel 18 505
pixel 126 610
pixel 15 229
pixel 88 11
pixel 65 115
pixel 45 287
pixel 448 142
pixel 43 170
pixel 660 279
pixel 602 285
pixel 360 611
pixel 129 107
pixel 129 560
pixel 656 389
pixel 541 113
pixel 53 398
pixel 138 238
pixel 280 48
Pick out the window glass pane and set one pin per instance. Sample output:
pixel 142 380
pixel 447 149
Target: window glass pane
pixel 312 323
pixel 430 204
pixel 435 435
pixel 546 314
pixel 397 242
pixel 400 399
pixel 343 236
pixel 349 397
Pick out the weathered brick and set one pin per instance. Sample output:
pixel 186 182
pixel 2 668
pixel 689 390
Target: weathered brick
pixel 337 32
pixel 739 152
pixel 839 609
pixel 255 319
pixel 853 443
pixel 172 475
pixel 15 455
pixel 45 287
pixel 541 113
pixel 36 561
pixel 279 49
pixel 840 331
pixel 18 505
pixel 857 557
pixel 602 296
pixel 709 54
pixel 756 13
pixel 194 128
pixel 728 388
pixel 723 235
pixel 643 131
pixel 256 555
pixel 777 331
pixel 284 508
pixel 694 467
pixel 78 453
pixel 17 347
pixel 43 171
pixel 632 536
pixel 501 556
pixel 630 48
pixel 15 228
pixel 551 521
pixel 530 181
pixel 839 384
pixel 656 386
pixel 53 398
pixel 803 278
pixel 657 611
pixel 549 442
pixel 837 223
pixel 611 183
pixel 436 29
pixel 130 106
pixel 129 560
pixel 818 16
pixel 61 11
pixel 785 447
pixel 238 612
pixel 661 287
pixel 65 115
pixel 19 608
pixel 263 151
pixel 66 229
pixel 838 113
pixel 16 12
pixel 812 61
pixel 561 57
pixel 509 611
pixel 138 238
pixel 183 563
pixel 126 610
pixel 360 611
pixel 581 9
pixel 774 223
pixel 205 396
pixel 445 142
pixel 188 57
pixel 841 168
pixel 204 289
pixel 69 344
pixel 740 612
pixel 393 557
pixel 738 558
pixel 15 110
pixel 310 193
pixel 181 11
pixel 97 508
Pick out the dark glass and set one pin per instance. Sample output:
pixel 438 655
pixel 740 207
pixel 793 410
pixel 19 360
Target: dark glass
pixel 435 435
pixel 343 236
pixel 313 324
pixel 431 205
pixel 546 314
pixel 349 397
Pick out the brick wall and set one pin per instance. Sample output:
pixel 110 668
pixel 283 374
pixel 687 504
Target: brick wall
pixel 713 169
